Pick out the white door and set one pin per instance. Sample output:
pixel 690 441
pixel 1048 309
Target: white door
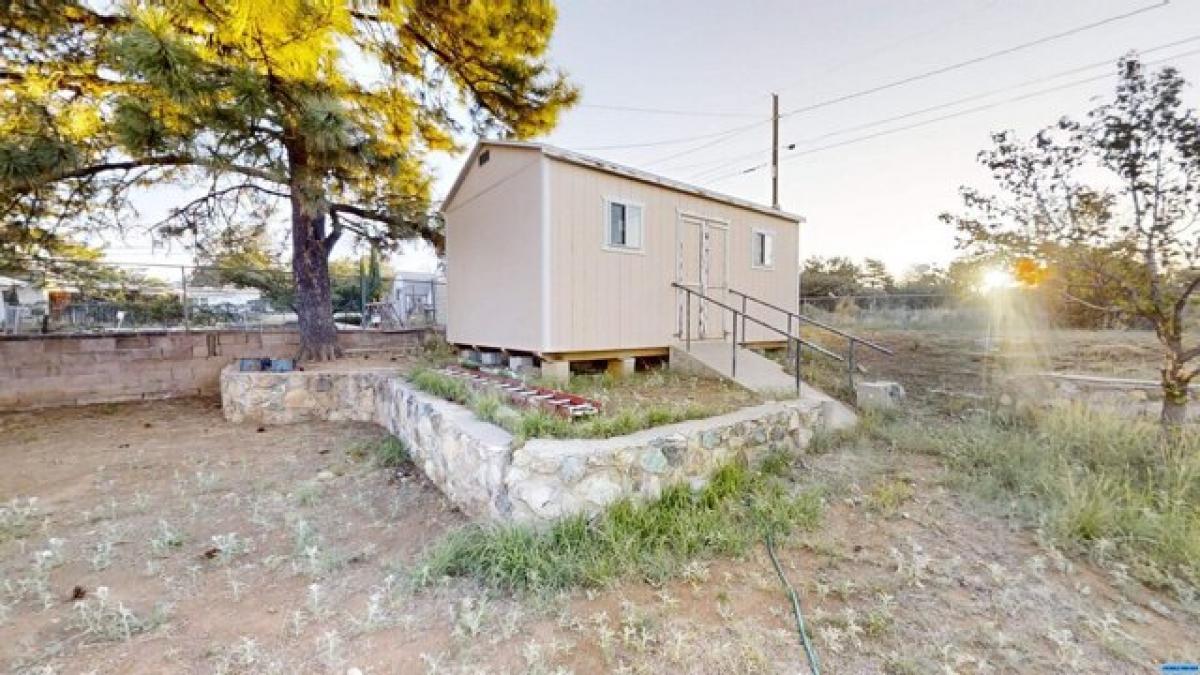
pixel 702 257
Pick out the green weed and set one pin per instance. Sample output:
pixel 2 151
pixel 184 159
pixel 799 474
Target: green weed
pixel 654 540
pixel 390 452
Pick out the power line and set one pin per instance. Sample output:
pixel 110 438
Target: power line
pixel 723 137
pixel 993 92
pixel 664 111
pixel 716 141
pixel 975 60
pixel 674 141
pixel 838 66
pixel 701 175
pixel 943 118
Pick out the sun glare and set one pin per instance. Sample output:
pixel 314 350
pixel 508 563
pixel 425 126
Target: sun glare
pixel 996 279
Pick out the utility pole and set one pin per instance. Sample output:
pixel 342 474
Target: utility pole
pixel 775 150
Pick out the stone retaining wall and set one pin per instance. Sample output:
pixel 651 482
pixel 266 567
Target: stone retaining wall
pixel 480 468
pixel 38 371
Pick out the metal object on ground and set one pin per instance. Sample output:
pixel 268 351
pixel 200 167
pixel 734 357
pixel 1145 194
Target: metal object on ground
pixel 553 400
pixel 266 365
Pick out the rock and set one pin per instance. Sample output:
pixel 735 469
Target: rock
pixel 599 490
pixel 325 475
pixel 572 469
pixel 878 395
pixel 654 461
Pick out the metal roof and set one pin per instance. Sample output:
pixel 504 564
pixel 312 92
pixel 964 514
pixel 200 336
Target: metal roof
pixel 606 166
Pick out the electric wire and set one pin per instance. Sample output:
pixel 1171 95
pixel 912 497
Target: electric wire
pixel 974 60
pixel 941 70
pixel 664 111
pixel 934 120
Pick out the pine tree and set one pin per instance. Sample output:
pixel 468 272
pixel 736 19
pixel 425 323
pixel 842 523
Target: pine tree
pixel 324 107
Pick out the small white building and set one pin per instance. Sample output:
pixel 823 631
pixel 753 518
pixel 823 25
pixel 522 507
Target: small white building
pixel 570 257
pixel 418 298
pixel 19 300
pixel 222 295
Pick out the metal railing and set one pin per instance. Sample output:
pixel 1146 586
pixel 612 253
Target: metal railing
pixel 795 343
pixel 799 319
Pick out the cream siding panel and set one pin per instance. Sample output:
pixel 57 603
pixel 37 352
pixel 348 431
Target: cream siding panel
pixel 603 299
pixel 493 253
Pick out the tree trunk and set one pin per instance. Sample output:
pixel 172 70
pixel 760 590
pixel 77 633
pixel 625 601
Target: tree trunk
pixel 1175 392
pixel 310 272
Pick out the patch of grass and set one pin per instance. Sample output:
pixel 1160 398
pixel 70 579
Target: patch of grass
pixel 889 494
pixel 390 452
pixel 442 386
pixel 818 370
pixel 654 540
pixel 101 619
pixel 526 423
pixel 17 518
pixel 1100 485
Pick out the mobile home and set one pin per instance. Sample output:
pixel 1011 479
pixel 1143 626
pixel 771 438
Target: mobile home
pixel 569 257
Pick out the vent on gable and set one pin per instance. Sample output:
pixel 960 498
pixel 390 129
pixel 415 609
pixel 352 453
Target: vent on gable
pixel 484 157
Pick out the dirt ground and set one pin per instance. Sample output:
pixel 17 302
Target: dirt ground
pixel 936 364
pixel 163 539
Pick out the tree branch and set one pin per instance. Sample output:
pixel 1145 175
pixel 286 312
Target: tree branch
pixel 163 161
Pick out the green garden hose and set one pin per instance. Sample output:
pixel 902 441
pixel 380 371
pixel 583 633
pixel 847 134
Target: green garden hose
pixel 813 664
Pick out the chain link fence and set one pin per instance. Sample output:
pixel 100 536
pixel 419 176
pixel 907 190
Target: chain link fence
pixel 103 297
pixel 917 311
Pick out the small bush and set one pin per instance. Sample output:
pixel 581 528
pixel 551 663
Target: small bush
pixel 654 540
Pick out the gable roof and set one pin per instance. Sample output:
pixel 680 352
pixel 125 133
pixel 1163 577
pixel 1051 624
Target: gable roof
pixel 580 159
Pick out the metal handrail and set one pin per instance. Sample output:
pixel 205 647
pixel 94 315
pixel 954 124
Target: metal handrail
pixel 791 339
pixel 814 322
pixel 747 317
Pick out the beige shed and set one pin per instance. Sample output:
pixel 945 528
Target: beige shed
pixel 570 257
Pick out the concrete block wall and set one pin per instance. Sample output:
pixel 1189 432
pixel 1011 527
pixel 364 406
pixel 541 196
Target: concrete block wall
pixel 57 370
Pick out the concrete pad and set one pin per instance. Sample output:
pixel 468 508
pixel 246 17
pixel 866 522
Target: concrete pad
pixel 758 374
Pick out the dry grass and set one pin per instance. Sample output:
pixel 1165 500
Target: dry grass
pixel 229 550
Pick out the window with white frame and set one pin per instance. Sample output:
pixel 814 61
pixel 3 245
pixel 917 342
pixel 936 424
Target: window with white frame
pixel 624 222
pixel 763 249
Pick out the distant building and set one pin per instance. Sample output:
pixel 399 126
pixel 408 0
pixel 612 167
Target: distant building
pixel 222 295
pixel 418 298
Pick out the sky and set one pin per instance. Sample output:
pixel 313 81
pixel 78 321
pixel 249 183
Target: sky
pixel 706 68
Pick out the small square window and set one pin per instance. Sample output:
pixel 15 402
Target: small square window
pixel 624 225
pixel 763 249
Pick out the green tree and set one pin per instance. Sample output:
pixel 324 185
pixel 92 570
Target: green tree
pixel 1110 202
pixel 328 107
pixel 247 263
pixel 875 277
pixel 829 277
